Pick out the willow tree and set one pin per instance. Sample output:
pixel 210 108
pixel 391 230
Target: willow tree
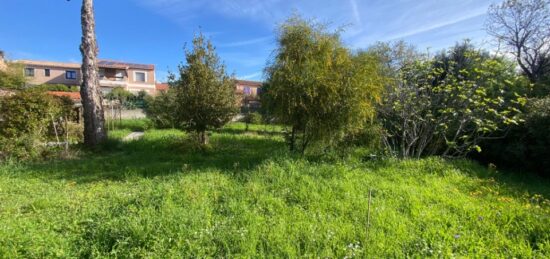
pixel 94 121
pixel 205 95
pixel 318 87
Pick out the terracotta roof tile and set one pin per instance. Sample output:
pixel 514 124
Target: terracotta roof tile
pixel 162 86
pixel 75 96
pixel 249 83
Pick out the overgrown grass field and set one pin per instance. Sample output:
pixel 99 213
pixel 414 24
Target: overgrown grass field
pixel 246 196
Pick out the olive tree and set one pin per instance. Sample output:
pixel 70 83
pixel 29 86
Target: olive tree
pixel 318 87
pixel 205 94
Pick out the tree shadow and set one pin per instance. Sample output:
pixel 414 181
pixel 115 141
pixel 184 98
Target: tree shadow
pixel 261 132
pixel 160 156
pixel 516 183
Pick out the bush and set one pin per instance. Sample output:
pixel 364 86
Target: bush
pixel 253 118
pixel 370 137
pixel 448 105
pixel 161 109
pixel 57 87
pixel 12 77
pixel 526 146
pixel 25 121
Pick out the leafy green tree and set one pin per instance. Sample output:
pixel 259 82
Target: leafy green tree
pixel 477 99
pixel 318 87
pixel 448 105
pixel 125 97
pixel 205 94
pixel 121 94
pixel 12 76
pixel 161 109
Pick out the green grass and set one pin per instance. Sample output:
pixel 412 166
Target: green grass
pixel 247 197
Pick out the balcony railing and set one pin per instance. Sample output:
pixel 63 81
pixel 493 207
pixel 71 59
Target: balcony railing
pixel 112 83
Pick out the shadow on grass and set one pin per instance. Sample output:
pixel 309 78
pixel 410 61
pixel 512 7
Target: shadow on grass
pixel 516 182
pixel 161 155
pixel 261 132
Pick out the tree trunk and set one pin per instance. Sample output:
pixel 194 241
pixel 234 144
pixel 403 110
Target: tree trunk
pixel 292 141
pixel 94 121
pixel 203 138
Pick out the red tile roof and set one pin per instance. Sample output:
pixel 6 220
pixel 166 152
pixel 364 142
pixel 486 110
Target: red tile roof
pixel 75 96
pixel 249 83
pixel 162 86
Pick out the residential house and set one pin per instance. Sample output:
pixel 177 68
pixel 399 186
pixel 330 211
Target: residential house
pixel 161 87
pixel 132 77
pixel 249 92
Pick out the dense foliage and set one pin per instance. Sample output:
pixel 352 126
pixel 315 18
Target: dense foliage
pixel 526 146
pixel 26 121
pixel 127 99
pixel 58 87
pixel 448 105
pixel 318 87
pixel 161 109
pixel 12 77
pixel 205 94
pixel 253 118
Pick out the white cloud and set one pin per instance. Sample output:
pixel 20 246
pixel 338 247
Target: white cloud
pixel 255 76
pixel 246 42
pixel 268 12
pixel 355 11
pixel 430 27
pixel 365 21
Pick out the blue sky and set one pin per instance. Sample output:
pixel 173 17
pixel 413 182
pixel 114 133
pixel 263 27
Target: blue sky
pixel 155 31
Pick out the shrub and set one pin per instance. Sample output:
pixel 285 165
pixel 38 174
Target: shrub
pixel 57 87
pixel 527 145
pixel 25 121
pixel 161 109
pixel 12 77
pixel 449 105
pixel 253 118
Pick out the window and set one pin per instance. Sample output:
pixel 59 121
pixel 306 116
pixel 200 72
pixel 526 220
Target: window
pixel 29 71
pixel 70 74
pixel 140 76
pixel 101 73
pixel 246 90
pixel 47 72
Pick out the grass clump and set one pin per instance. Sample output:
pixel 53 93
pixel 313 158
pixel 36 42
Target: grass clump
pixel 247 196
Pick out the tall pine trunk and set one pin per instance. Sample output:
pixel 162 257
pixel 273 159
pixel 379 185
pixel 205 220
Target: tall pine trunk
pixel 94 121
